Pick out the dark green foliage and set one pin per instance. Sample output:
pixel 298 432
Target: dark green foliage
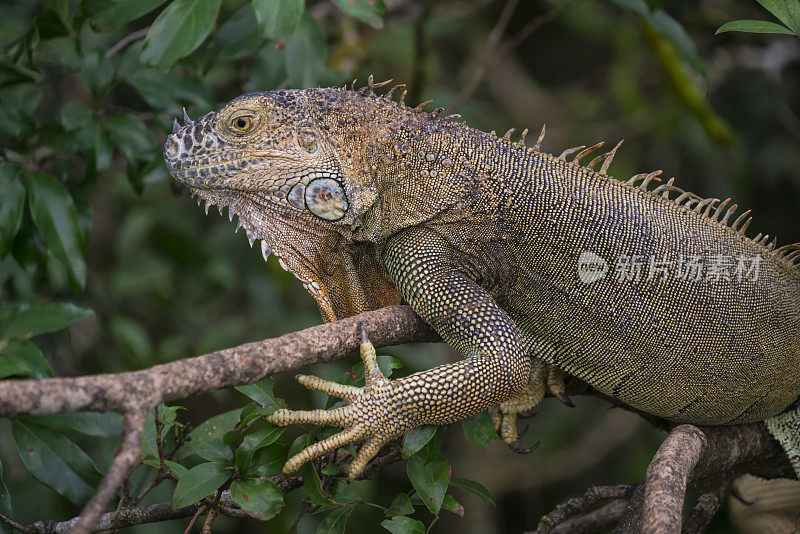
pixel 104 268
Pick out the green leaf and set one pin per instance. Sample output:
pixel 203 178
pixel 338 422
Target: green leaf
pixel 56 461
pixel 12 200
pixel 75 116
pixel 754 26
pixel 178 31
pixel 237 37
pixel 479 429
pixel 24 321
pixel 335 522
pixel 215 427
pixel 401 505
pixel 97 71
pixel 787 11
pixel 198 482
pixel 277 19
pixel 89 423
pixel 313 485
pixel 416 438
pixel 56 217
pixel 20 357
pixel 167 416
pixel 5 503
pixel 268 461
pixel 132 136
pixel 430 477
pixel 305 53
pixel 252 443
pixel 259 498
pixel 369 11
pixel 261 392
pixel 475 488
pixel 452 505
pixel 211 449
pixel 163 91
pixel 403 525
pixel 119 13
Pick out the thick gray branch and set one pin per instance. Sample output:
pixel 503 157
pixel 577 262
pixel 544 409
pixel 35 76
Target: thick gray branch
pixel 244 364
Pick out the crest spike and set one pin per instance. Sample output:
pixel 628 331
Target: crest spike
pixel 583 153
pixel 521 141
pixel 390 93
pixel 739 219
pixel 719 209
pixel 186 119
pixel 745 225
pixel 567 152
pixel 610 158
pixel 650 177
pixel 422 105
pixel 508 133
pixel 728 214
pixel 541 138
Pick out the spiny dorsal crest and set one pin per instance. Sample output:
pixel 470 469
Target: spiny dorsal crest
pixel 711 208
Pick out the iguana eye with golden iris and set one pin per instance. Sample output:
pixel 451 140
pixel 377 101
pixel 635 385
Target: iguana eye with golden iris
pixel 242 124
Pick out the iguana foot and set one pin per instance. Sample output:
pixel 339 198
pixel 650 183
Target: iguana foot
pixel 544 377
pixel 371 415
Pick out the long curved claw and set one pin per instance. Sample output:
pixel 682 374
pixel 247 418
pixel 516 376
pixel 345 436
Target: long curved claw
pixel 556 386
pixel 369 415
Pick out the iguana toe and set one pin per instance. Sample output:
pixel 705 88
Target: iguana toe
pixel 544 377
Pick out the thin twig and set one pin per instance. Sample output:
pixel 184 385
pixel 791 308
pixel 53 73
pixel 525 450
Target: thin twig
pixel 125 41
pixel 13 524
pixel 495 49
pixel 582 504
pixel 127 457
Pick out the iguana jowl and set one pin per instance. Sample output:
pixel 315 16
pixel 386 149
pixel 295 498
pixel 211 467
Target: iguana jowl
pixel 368 201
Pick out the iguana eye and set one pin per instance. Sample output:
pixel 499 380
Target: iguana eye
pixel 241 124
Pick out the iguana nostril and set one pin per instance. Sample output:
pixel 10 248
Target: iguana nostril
pixel 173 147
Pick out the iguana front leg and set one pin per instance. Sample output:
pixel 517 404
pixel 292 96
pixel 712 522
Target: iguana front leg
pixel 421 264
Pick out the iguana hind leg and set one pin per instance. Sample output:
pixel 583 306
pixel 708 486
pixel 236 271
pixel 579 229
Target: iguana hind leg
pixel 785 428
pixel 544 377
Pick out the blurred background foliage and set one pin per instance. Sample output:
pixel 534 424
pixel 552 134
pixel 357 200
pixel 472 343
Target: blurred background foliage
pixel 105 266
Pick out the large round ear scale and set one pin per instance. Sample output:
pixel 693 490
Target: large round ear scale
pixel 325 198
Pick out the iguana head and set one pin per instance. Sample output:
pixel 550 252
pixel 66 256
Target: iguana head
pixel 274 165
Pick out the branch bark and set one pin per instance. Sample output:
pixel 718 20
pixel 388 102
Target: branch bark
pixel 245 364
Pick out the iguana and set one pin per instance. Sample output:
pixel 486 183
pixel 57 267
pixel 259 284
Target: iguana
pixel 507 252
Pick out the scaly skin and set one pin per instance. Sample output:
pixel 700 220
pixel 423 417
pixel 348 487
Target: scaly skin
pixel 368 202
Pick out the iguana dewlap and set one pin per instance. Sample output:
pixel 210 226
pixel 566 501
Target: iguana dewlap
pixel 530 265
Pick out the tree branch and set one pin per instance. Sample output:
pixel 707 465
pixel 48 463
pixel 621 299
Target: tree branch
pixel 245 364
